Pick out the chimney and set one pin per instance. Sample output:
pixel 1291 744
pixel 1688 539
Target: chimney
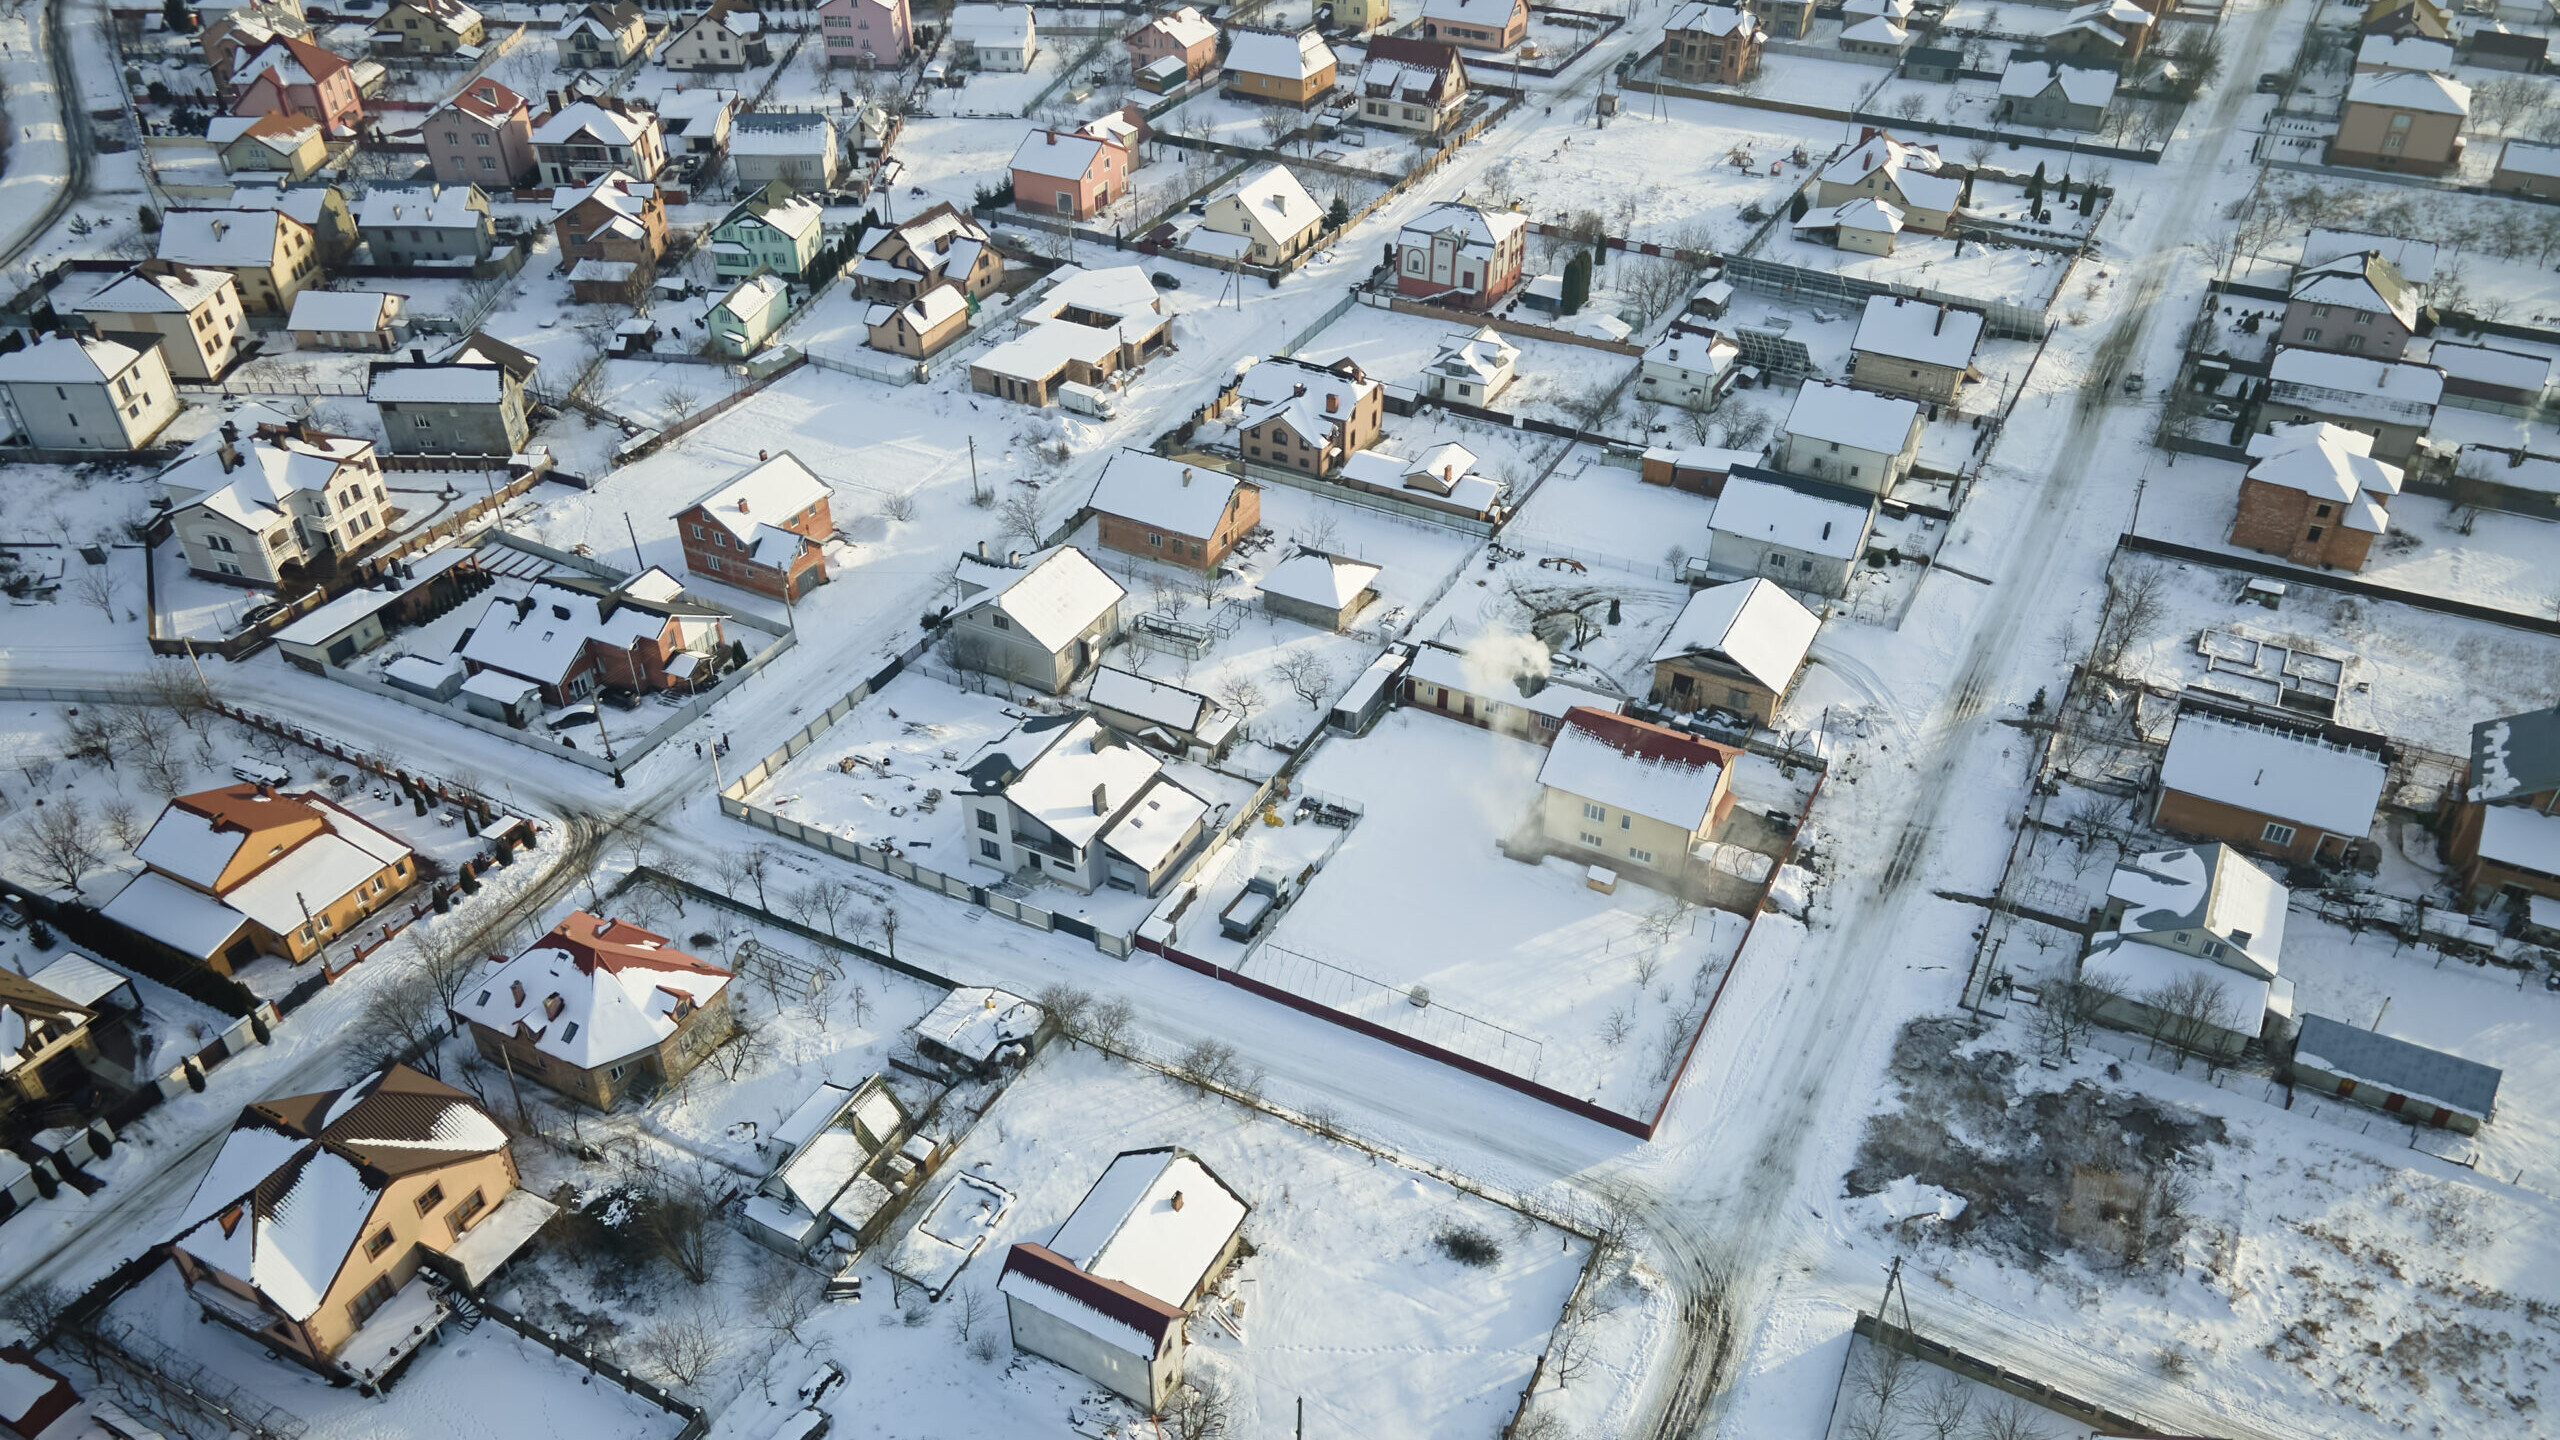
pixel 1333 403
pixel 742 504
pixel 1052 134
pixel 761 455
pixel 230 455
pixel 1449 473
pixel 1013 558
pixel 266 791
pixel 554 97
pixel 1186 477
pixel 982 549
pixel 1939 325
pixel 1826 529
pixel 230 431
pixel 524 607
pixel 601 927
pixel 1101 799
pixel 417 354
pixel 1176 1201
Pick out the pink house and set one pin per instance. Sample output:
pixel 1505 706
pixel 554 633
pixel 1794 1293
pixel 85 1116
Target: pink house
pixel 482 136
pixel 1181 33
pixel 292 76
pixel 1068 174
pixel 866 33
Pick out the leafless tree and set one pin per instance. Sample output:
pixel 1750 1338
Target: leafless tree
pixel 788 1297
pixel 2136 599
pixel 1242 698
pixel 1880 1384
pixel 2068 1009
pixel 2008 1418
pixel 1020 516
pixel 682 1218
pixel 1199 1410
pixel 448 965
pixel 673 872
pixel 58 841
pixel 93 735
pixel 1945 1406
pixel 729 867
pixel 1066 1006
pixel 1307 675
pixel 402 1021
pixel 759 868
pixel 824 900
pixel 1107 1026
pixel 900 506
pixel 35 1307
pixel 742 1054
pixel 122 825
pixel 968 1306
pixel 2190 1013
pixel 683 1347
pixel 96 587
pixel 889 922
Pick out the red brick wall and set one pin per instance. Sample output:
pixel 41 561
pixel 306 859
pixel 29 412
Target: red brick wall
pixel 2192 815
pixel 2274 520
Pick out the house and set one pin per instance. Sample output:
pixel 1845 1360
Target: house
pixel 1784 19
pixel 1297 414
pixel 1864 226
pixel 2422 1086
pixel 2049 95
pixel 270 254
pixel 1628 794
pixel 2528 169
pixel 2355 304
pixel 1476 24
pixel 1271 213
pixel 2392 401
pixel 740 323
pixel 616 219
pixel 570 637
pixel 308 1232
pixel 1917 348
pixel 1462 256
pixel 2490 375
pixel 1499 688
pixel 867 33
pixel 409 592
pixel 2102 34
pixel 920 328
pixel 346 320
pixel 1934 64
pixel 942 245
pixel 993 37
pixel 1471 369
pixel 269 511
pixel 769 230
pixel 1040 620
pixel 1803 534
pixel 1070 173
pixel 1698 469
pixel 1926 193
pixel 1711 44
pixel 2421 18
pixel 40 1403
pixel 2502 833
pixel 50 1057
pixel 1359 17
pixel 193 316
pixel 2314 495
pixel 427 27
pixel 1314 588
pixel 232 874
pixel 796 151
pixel 2406 120
pixel 1088 327
pixel 1688 369
pixel 426 225
pixel 1145 504
pixel 470 404
pixel 228 40
pixel 1108 1296
pixel 723 37
pixel 598 1009
pixel 603 36
pixel 694 125
pixel 1875 35
pixel 482 136
pixel 2180 927
pixel 1736 647
pixel 2281 793
pixel 2494 47
pixel 1184 724
pixel 1444 478
pixel 1417 86
pixel 288 145
pixel 1071 799
pixel 82 393
pixel 1850 437
pixel 1174 35
pixel 1278 67
pixel 320 207
pixel 764 529
pixel 2397 52
pixel 293 76
pixel 978 1031
pixel 586 142
pixel 821 1181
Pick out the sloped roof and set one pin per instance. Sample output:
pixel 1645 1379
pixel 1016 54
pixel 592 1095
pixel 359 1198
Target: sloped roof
pixel 1053 597
pixel 221 237
pixel 1702 18
pixel 2417 90
pixel 1929 332
pixel 618 988
pixel 1066 154
pixel 1301 56
pixel 73 360
pixel 1184 27
pixel 1480 230
pixel 1312 576
pixel 2367 281
pixel 2488 365
pixel 1278 203
pixel 1752 624
pixel 2026 79
pixel 1129 1229
pixel 612 122
pixel 2401 381
pixel 2210 888
pixel 2396 1066
pixel 1824 411
pixel 1876 30
pixel 438 207
pixel 1864 213
pixel 2295 778
pixel 1795 518
pixel 2321 462
pixel 343 310
pixel 157 288
pixel 483 99
pixel 1626 764
pixel 2515 755
pixel 1164 494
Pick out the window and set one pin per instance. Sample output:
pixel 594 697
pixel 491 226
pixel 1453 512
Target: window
pixel 2320 511
pixel 2276 834
pixel 1155 540
pixel 377 1243
pixel 1000 622
pixel 1591 840
pixel 987 821
pixel 2316 532
pixel 479 139
pixel 1626 822
pixel 1641 857
pixel 2355 342
pixel 991 849
pixel 373 1297
pixel 1594 812
pixel 2311 335
pixel 466 1212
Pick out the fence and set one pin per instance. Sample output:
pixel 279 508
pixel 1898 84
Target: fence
pixel 2145 545
pixel 828 358
pixel 1782 281
pixel 696 1423
pixel 1463 524
pixel 1896 123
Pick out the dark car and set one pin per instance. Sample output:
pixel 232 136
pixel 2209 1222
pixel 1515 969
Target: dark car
pixel 1163 281
pixel 572 718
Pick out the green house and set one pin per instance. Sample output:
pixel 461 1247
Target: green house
pixel 769 230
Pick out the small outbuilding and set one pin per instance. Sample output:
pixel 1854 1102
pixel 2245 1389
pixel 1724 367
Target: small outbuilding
pixel 2422 1086
pixel 1318 589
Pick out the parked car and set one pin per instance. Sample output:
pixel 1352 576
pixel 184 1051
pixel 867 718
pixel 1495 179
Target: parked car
pixel 826 1377
pixel 260 772
pixel 1164 281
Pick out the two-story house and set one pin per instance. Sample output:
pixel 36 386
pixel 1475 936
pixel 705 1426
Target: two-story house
pixel 1000 38
pixel 920 328
pixel 471 404
pixel 1926 192
pixel 764 529
pixel 193 316
pixel 795 150
pixel 866 34
pixel 615 222
pixel 1712 44
pixel 2408 120
pixel 1913 347
pixel 1069 173
pixel 769 230
pixel 294 76
pixel 1188 515
pixel 277 142
pixel 2195 921
pixel 482 136
pixel 83 393
pixel 2355 304
pixel 243 871
pixel 2502 831
pixel 1075 801
pixel 1463 256
pixel 724 37
pixel 598 1009
pixel 1038 620
pixel 1850 437
pixel 264 510
pixel 2314 495
pixel 581 143
pixel 270 255
pixel 1278 67
pixel 1627 794
pixel 427 27
pixel 1295 414
pixel 603 36
pixel 941 246
pixel 1736 647
pixel 426 225
pixel 1269 214
pixel 1417 86
pixel 1180 34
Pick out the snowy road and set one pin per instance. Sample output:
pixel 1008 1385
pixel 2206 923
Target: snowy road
pixel 44 168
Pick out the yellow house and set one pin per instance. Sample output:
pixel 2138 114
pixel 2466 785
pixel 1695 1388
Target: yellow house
pixel 428 27
pixel 194 316
pixel 235 873
pixel 1626 794
pixel 273 256
pixel 277 141
pixel 308 1231
pixel 1361 16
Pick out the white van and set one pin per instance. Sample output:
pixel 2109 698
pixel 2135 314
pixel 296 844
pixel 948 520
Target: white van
pixel 260 772
pixel 1087 400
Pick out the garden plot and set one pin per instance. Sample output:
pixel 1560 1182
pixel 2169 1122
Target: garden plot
pixel 1006 92
pixel 952 159
pixel 2010 274
pixel 1522 966
pixel 1352 1299
pixel 1672 179
pixel 483 1384
pixel 1607 516
pixel 1552 380
pixel 2501 250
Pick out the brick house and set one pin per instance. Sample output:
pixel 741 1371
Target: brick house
pixel 942 245
pixel 243 871
pixel 920 328
pixel 482 136
pixel 2315 496
pixel 598 1009
pixel 2287 794
pixel 1069 173
pixel 2355 304
pixel 617 219
pixel 1297 414
pixel 570 637
pixel 1417 86
pixel 296 77
pixel 1476 24
pixel 1165 510
pixel 764 529
pixel 2503 831
pixel 1628 794
pixel 1711 44
pixel 1461 255
pixel 1177 34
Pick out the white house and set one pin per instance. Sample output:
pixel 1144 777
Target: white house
pixel 1040 621
pixel 1913 347
pixel 81 393
pixel 1072 800
pixel 1108 1295
pixel 1461 255
pixel 2204 917
pixel 251 510
pixel 798 150
pixel 997 37
pixel 1270 213
pixel 1864 226
pixel 1688 370
pixel 1471 369
pixel 1179 722
pixel 1804 535
pixel 1850 437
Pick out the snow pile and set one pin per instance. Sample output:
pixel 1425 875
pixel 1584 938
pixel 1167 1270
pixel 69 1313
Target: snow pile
pixel 1907 1198
pixel 1792 890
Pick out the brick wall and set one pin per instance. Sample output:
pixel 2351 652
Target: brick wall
pixel 2305 530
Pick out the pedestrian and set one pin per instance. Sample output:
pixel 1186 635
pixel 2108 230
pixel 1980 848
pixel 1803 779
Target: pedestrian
pixel 697 749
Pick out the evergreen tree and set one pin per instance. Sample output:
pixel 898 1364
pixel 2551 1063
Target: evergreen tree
pixel 1338 214
pixel 2089 199
pixel 2035 188
pixel 180 19
pixel 1797 206
pixel 1577 281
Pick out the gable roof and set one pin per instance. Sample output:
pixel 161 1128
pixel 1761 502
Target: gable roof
pixel 1312 576
pixel 1053 597
pixel 2328 462
pixel 625 199
pixel 483 99
pixel 2027 79
pixel 243 238
pixel 158 287
pixel 611 121
pixel 1864 213
pixel 1919 330
pixel 1184 27
pixel 1862 418
pixel 1130 1230
pixel 1702 18
pixel 618 986
pixel 749 503
pixel 2366 281
pixel 2417 90
pixel 1751 624
pixel 1816 519
pixel 69 359
pixel 1301 56
pixel 1066 154
pixel 1627 764
pixel 2210 888
pixel 1164 494
pixel 2515 756
pixel 1126 692
pixel 2399 382
pixel 2396 1066
pixel 2488 365
pixel 1478 230
pixel 1277 201
pixel 2293 777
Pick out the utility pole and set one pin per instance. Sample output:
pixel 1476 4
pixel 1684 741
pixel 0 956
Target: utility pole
pixel 977 488
pixel 637 563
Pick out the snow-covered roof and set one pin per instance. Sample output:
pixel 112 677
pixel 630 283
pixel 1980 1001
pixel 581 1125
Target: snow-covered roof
pixel 1164 494
pixel 1182 712
pixel 1753 624
pixel 1625 764
pixel 324 865
pixel 1876 30
pixel 1184 27
pixel 1930 333
pixel 2026 79
pixel 2487 365
pixel 1065 154
pixel 2404 52
pixel 2147 970
pixel 2417 90
pixel 483 99
pixel 1699 17
pixel 2401 382
pixel 753 296
pixel 784 134
pixel 2210 888
pixel 68 359
pixel 432 207
pixel 221 237
pixel 1053 597
pixel 926 312
pixel 977 1021
pixel 1489 14
pixel 1149 831
pixel 2523 157
pixel 1847 416
pixel 161 290
pixel 1785 516
pixel 2515 755
pixel 187 921
pixel 253 493
pixel 397 383
pixel 543 636
pixel 2320 461
pixel 1479 230
pixel 1480 356
pixel 2414 259
pixel 1316 578
pixel 343 310
pixel 1447 471
pixel 2521 838
pixel 613 124
pixel 1864 213
pixel 2295 778
pixel 797 216
pixel 80 980
pixel 1279 204
pixel 1154 1221
pixel 1913 170
pixel 1057 788
pixel 592 992
pixel 993 26
pixel 2396 1067
pixel 1301 56
pixel 2366 281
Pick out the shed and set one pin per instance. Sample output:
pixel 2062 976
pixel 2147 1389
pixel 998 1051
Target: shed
pixel 978 1030
pixel 435 679
pixel 1322 590
pixel 84 981
pixel 2422 1086
pixel 496 695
